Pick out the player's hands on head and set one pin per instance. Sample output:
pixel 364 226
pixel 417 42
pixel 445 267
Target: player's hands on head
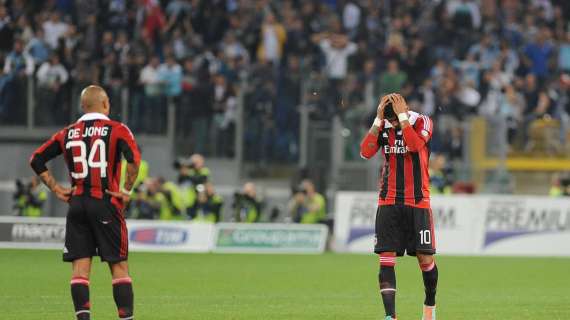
pixel 62 193
pixel 398 103
pixel 124 197
pixel 380 110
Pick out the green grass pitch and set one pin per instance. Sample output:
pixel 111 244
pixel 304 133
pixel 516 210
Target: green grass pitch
pixel 35 285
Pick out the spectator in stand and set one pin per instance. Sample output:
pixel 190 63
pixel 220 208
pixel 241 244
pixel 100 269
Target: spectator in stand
pixel 54 29
pixel 538 53
pixel 6 30
pixel 37 48
pixel 351 15
pixel 564 54
pixel 336 48
pixel 486 51
pixel 153 101
pixel 225 105
pixel 272 37
pixel 170 73
pixel 51 76
pixel 18 66
pixel 393 79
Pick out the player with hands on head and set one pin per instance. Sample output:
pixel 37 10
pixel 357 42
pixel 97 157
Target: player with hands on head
pixel 404 221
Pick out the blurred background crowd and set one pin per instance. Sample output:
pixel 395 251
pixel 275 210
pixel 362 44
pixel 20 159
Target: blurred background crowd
pixel 507 61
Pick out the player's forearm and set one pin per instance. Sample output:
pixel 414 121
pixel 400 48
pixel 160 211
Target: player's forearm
pixel 369 145
pixel 413 141
pixel 48 180
pixel 131 176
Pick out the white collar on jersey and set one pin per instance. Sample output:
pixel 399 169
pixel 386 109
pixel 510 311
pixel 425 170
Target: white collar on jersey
pixel 93 116
pixel 413 116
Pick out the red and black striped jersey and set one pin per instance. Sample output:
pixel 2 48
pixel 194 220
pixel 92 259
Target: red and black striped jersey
pixel 404 177
pixel 92 148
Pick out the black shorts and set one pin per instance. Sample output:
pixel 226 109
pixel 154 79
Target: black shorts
pixel 404 229
pixel 95 228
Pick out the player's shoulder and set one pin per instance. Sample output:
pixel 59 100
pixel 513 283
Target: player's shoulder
pixel 418 119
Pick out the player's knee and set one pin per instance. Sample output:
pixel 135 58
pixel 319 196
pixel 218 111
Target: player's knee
pixel 81 268
pixel 119 270
pixel 426 262
pixel 387 259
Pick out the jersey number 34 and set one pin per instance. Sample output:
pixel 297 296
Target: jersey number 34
pixel 88 162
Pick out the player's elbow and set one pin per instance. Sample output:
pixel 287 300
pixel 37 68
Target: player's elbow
pixel 37 164
pixel 365 156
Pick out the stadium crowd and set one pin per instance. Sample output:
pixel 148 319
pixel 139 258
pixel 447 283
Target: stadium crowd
pixel 452 59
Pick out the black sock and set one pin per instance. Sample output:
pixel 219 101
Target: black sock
pixel 387 280
pixel 123 295
pixel 430 284
pixel 80 296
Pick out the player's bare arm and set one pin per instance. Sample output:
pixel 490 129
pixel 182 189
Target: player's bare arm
pixel 413 140
pixel 131 177
pixel 375 128
pixel 60 192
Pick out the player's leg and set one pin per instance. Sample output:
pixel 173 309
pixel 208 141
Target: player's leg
pixel 424 247
pixel 430 276
pixel 122 289
pixel 388 244
pixel 81 269
pixel 112 240
pixel 79 248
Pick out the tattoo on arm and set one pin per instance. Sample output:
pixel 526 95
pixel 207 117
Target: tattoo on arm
pixel 132 174
pixel 48 180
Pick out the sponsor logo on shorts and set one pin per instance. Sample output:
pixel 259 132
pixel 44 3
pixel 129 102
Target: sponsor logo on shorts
pixel 509 219
pixel 168 236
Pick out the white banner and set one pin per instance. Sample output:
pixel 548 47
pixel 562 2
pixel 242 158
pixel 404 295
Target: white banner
pixel 170 236
pixel 468 225
pixel 144 235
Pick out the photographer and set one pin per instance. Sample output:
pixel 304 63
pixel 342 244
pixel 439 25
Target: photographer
pixel 191 173
pixel 29 197
pixel 144 203
pixel 208 204
pixel 158 199
pixel 247 208
pixel 560 185
pixel 307 205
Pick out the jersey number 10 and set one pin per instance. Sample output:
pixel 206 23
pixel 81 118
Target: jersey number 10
pixel 425 237
pixel 88 162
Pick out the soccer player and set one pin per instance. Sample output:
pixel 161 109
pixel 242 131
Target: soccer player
pixel 404 220
pixel 95 224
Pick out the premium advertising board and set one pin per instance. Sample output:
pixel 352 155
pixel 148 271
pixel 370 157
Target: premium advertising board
pixel 490 225
pixel 270 238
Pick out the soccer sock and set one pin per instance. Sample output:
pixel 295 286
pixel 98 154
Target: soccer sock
pixel 387 281
pixel 123 295
pixel 80 296
pixel 429 273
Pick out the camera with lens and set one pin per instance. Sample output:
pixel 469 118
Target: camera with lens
pixel 22 188
pixel 185 162
pixel 299 189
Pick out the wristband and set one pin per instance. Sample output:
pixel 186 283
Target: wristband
pixel 377 122
pixel 125 191
pixel 403 116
